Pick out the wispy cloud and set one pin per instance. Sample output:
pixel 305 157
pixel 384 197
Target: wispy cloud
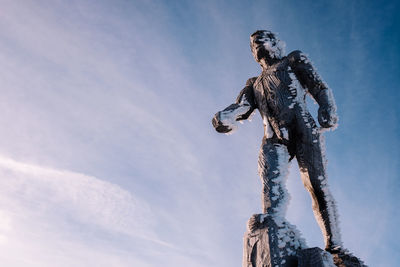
pixel 50 215
pixel 43 209
pixel 84 198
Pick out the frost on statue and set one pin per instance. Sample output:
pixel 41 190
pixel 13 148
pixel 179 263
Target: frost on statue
pixel 289 131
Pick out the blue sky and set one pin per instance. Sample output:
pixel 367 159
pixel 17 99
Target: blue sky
pixel 107 153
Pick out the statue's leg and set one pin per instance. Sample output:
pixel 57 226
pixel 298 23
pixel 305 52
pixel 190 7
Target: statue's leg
pixel 273 169
pixel 270 239
pixel 311 159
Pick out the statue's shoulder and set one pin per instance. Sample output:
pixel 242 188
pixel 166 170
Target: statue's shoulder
pixel 251 81
pixel 295 57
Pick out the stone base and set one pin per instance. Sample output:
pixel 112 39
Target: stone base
pixel 314 257
pixel 271 242
pixel 275 243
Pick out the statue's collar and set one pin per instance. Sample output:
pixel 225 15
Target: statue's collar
pixel 280 65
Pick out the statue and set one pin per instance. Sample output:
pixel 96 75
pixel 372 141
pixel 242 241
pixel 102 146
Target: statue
pixel 289 131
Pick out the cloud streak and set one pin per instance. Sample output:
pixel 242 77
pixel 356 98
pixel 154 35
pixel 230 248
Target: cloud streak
pixel 84 198
pixel 43 212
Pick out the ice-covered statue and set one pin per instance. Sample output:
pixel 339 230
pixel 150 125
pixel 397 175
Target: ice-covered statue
pixel 289 131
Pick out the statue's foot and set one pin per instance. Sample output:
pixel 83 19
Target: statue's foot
pixel 343 257
pixel 335 249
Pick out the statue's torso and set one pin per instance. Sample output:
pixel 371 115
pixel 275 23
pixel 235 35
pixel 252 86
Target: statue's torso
pixel 277 95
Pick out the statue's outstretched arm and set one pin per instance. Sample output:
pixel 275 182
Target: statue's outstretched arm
pixel 317 88
pixel 226 120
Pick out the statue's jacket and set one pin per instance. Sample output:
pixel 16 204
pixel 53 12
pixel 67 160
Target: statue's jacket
pixel 279 95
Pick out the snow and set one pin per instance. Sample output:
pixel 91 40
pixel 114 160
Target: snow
pixel 276 48
pixel 285 133
pixel 296 89
pixel 327 259
pixel 280 181
pixel 229 117
pixel 268 132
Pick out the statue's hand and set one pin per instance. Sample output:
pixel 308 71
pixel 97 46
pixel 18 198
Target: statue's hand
pixel 327 117
pixel 218 125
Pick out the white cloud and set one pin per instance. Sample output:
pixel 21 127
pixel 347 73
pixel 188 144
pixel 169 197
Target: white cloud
pixel 44 212
pixel 87 198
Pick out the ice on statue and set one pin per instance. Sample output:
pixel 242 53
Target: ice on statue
pixel 279 94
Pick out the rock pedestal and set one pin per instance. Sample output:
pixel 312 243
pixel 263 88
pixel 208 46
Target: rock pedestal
pixel 269 242
pixel 314 257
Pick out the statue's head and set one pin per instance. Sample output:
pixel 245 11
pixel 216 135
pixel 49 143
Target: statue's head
pixel 265 44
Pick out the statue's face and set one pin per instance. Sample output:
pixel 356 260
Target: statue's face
pixel 264 44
